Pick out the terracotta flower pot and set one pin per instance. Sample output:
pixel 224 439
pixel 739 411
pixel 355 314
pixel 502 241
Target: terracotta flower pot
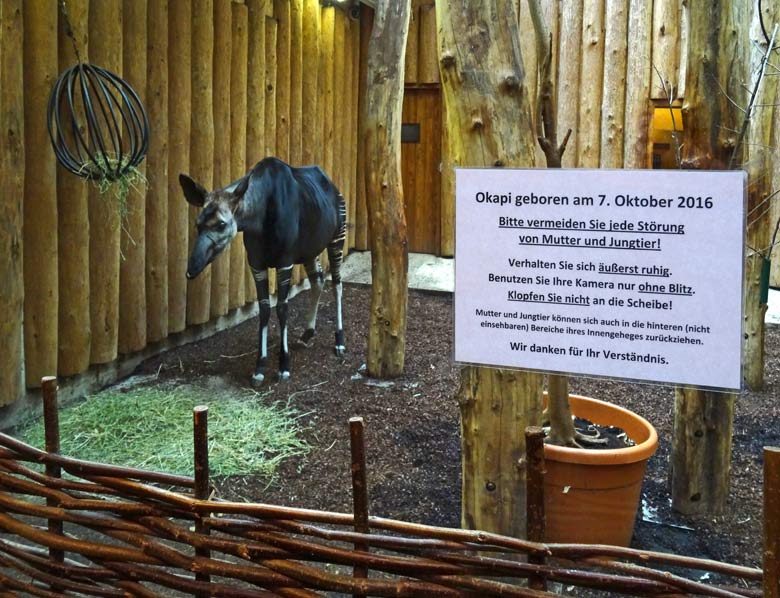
pixel 591 496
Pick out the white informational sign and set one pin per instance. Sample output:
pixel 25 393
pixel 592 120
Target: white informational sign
pixel 632 274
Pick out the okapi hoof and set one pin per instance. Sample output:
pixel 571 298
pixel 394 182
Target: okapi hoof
pixel 259 376
pixel 284 376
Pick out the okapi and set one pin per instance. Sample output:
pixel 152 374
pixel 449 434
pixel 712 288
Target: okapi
pixel 288 216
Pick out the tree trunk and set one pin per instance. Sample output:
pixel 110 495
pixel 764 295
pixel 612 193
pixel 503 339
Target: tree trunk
pixel 361 219
pixel 762 177
pixel 179 107
pixel 74 336
pixel 389 264
pixel 703 421
pixel 11 194
pixel 489 121
pixel 132 267
pixel 638 107
pixel 157 172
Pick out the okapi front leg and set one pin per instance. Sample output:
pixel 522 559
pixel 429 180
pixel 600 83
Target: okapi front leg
pixel 283 276
pixel 335 252
pixel 264 305
pixel 317 282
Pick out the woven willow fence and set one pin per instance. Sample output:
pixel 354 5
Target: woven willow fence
pixel 112 531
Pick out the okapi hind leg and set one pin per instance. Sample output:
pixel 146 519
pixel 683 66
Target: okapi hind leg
pixel 335 253
pixel 317 282
pixel 264 308
pixel 283 276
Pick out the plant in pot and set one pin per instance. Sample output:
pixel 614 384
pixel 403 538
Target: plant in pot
pixel 591 496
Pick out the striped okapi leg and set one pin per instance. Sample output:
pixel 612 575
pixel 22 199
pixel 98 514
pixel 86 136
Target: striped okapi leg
pixel 283 276
pixel 317 282
pixel 335 252
pixel 264 304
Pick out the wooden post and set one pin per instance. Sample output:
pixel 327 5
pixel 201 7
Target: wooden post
pixel 340 95
pixel 200 415
pixel 570 58
pixel 296 81
pixel 201 142
pixel 51 431
pixel 12 165
pixel 771 522
pixel 638 106
pixel 238 126
pixel 361 218
pixel 412 45
pixel 220 268
pixel 534 456
pixel 359 490
pixel 105 49
pixel 157 171
pixel 270 75
pixel 40 192
pixel 703 421
pixel 489 121
pixel 389 264
pixel 283 78
pixel 179 107
pixel 613 96
pixel 73 338
pixel 666 38
pixel 354 132
pixel 256 134
pixel 592 59
pixel 132 267
pixel 328 33
pixel 311 150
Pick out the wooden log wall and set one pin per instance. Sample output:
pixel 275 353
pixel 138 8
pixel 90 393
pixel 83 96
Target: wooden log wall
pixel 224 83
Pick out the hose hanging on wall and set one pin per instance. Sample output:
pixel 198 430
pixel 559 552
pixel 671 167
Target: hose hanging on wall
pixel 98 126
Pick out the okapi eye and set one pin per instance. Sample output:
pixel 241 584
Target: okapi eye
pixel 221 225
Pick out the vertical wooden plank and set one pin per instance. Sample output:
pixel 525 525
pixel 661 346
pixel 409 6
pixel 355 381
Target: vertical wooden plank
pixel 220 268
pixel 200 425
pixel 74 333
pixel 238 125
pixel 639 68
pixel 201 142
pixel 530 64
pixel 359 491
pixel 412 45
pixel 12 167
pixel 179 107
pixel 283 78
pixel 296 81
pixel 40 194
pixel 570 55
pixel 51 432
pixel 361 219
pixel 105 49
pixel 428 63
pixel 354 114
pixel 256 132
pixel 271 71
pixel 683 47
pixel 311 151
pixel 339 102
pixel 345 113
pixel 666 39
pixel 535 515
pixel 157 171
pixel 588 140
pixel 132 267
pixel 328 68
pixel 613 102
pixel 771 522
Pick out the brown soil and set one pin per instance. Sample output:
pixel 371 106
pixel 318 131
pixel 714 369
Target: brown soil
pixel 412 426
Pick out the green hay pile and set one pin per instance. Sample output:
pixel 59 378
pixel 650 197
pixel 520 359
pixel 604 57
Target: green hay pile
pixel 151 428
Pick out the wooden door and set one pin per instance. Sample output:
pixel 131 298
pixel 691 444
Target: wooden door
pixel 420 164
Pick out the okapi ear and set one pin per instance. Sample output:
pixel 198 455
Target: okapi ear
pixel 241 188
pixel 193 192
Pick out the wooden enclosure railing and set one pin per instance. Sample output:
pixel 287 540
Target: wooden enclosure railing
pixel 114 531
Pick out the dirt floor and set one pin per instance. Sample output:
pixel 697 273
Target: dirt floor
pixel 412 427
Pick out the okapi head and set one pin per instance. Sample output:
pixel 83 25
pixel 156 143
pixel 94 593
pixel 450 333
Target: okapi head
pixel 216 224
